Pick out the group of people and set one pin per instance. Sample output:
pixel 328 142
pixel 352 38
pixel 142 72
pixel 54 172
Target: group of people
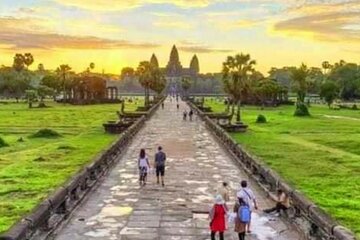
pixel 159 166
pixel 190 113
pixel 244 205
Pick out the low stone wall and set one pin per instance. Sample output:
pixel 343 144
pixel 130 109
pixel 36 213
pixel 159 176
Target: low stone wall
pixel 57 207
pixel 313 221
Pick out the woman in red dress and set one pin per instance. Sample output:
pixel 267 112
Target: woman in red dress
pixel 217 218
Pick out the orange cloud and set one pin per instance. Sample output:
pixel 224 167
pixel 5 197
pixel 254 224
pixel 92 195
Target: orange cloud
pixel 26 34
pixel 336 26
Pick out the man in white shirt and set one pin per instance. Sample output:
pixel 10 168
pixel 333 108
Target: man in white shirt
pixel 249 198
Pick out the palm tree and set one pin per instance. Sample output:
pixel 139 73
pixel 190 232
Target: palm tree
pixel 92 65
pixel 144 74
pixel 186 84
pixel 326 66
pixel 299 77
pixel 28 59
pixel 63 71
pixel 236 73
pixel 19 62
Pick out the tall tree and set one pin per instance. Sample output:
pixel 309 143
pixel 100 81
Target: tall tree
pixel 144 74
pixel 63 73
pixel 185 85
pixel 28 59
pixel 19 62
pixel 299 77
pixel 329 92
pixel 236 73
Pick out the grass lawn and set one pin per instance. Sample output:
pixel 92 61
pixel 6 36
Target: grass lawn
pixel 319 155
pixel 31 169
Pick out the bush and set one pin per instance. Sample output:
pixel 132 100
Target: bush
pixel 3 143
pixel 46 133
pixel 354 107
pixel 261 119
pixel 301 110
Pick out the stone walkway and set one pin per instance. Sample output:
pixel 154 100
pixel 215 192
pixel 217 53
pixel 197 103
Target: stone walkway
pixel 196 166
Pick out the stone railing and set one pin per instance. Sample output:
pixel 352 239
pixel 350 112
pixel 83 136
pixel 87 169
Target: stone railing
pixel 309 218
pixel 44 219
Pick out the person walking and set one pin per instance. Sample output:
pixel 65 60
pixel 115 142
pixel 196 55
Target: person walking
pixel 160 158
pixel 217 217
pixel 224 192
pixel 177 106
pixel 191 114
pixel 184 115
pixel 240 227
pixel 249 198
pixel 143 164
pixel 282 202
pixel 162 105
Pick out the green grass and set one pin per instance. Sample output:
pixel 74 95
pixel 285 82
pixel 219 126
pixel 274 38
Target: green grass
pixel 320 155
pixel 32 168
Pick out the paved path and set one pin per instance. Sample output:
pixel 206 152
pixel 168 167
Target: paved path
pixel 196 166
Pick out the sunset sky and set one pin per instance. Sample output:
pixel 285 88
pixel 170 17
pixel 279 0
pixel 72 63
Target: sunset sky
pixel 118 33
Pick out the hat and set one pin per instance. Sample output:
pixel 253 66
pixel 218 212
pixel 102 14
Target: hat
pixel 219 200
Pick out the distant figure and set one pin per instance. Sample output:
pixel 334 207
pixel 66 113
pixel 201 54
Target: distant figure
pixel 177 106
pixel 162 105
pixel 217 218
pixel 249 198
pixel 143 164
pixel 160 158
pixel 282 202
pixel 184 115
pixel 240 227
pixel 191 113
pixel 224 192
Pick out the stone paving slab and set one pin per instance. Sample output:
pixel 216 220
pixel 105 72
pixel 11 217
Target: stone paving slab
pixel 120 209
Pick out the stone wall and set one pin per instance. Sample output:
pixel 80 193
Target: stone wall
pixel 50 213
pixel 307 217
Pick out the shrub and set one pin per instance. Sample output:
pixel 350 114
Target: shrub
pixel 46 133
pixel 301 110
pixel 261 119
pixel 3 143
pixel 354 107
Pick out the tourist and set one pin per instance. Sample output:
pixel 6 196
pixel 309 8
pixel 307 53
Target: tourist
pixel 162 105
pixel 224 192
pixel 184 115
pixel 240 227
pixel 144 166
pixel 160 158
pixel 282 202
pixel 191 114
pixel 177 106
pixel 217 217
pixel 249 198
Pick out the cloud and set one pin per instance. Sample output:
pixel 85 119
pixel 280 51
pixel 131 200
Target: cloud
pixel 332 21
pixel 26 34
pixel 51 41
pixel 202 49
pixel 118 5
pixel 336 26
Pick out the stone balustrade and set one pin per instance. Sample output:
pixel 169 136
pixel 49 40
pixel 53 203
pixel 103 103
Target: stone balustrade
pixel 51 212
pixel 309 218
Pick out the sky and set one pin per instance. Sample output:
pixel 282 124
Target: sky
pixel 119 33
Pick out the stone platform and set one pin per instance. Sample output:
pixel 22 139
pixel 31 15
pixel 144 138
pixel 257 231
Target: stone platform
pixel 120 209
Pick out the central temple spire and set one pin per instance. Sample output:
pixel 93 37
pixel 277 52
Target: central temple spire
pixel 174 55
pixel 174 67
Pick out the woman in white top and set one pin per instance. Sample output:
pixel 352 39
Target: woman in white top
pixel 143 164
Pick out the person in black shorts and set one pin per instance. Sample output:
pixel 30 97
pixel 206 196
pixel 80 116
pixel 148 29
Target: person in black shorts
pixel 160 158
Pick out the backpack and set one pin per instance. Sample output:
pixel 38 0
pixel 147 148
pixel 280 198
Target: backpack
pixel 244 214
